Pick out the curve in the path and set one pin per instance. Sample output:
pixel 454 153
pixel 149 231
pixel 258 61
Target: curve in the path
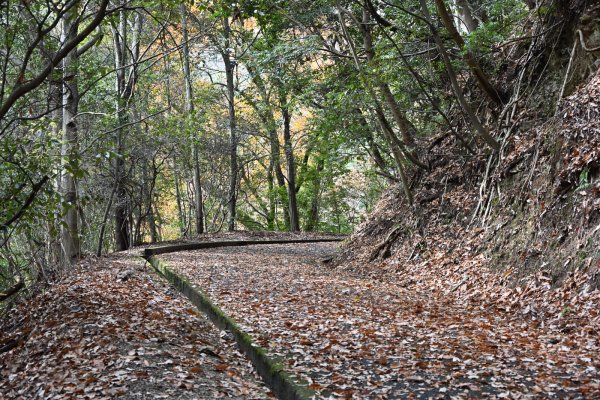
pixel 174 248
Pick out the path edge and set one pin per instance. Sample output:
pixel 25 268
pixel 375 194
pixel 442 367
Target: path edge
pixel 272 373
pixel 150 252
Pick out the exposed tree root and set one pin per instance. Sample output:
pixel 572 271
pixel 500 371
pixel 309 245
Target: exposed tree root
pixel 383 250
pixel 12 290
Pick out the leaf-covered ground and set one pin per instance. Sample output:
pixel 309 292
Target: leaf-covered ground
pixel 407 333
pixel 115 329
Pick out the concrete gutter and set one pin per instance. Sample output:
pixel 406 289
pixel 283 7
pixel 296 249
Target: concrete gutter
pixel 280 382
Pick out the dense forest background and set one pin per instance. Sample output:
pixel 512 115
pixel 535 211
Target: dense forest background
pixel 129 122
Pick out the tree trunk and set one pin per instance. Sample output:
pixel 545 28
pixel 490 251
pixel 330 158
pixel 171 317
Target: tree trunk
pixel 152 225
pixel 312 224
pixel 122 201
pixel 388 132
pixel 122 239
pixel 272 195
pixel 126 59
pixel 189 105
pixel 104 221
pixel 198 198
pixel 374 152
pixel 280 192
pixel 180 207
pixel 69 153
pixel 150 203
pixel 407 129
pixel 482 79
pixel 466 15
pixel 233 140
pixel 55 104
pixel 147 202
pixel 291 167
pixel 481 130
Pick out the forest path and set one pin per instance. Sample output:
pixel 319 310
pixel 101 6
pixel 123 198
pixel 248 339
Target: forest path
pixel 114 329
pixel 355 337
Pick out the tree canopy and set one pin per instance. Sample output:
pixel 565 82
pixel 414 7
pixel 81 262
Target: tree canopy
pixel 125 121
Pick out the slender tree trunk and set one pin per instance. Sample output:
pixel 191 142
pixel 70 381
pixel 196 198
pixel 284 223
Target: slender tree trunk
pixel 275 161
pixel 122 239
pixel 481 130
pixel 272 196
pixel 55 104
pixel 134 50
pixel 466 15
pixel 180 208
pixel 190 200
pixel 198 196
pixel 291 167
pixel 126 58
pixel 137 229
pixel 105 220
pixel 121 220
pixel 283 196
pixel 388 132
pixel 70 154
pixel 147 203
pixel 270 125
pixel 233 140
pixel 158 218
pixel 152 225
pixel 279 177
pixel 189 105
pixel 313 219
pixel 150 204
pixel 374 152
pixel 482 80
pixel 407 129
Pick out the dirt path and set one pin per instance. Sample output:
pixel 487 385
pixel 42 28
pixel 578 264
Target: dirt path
pixel 351 337
pixel 113 329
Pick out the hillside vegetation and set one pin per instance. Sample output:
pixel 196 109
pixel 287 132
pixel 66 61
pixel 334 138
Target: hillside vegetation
pixel 535 203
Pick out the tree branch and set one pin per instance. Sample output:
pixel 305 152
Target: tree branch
pixel 81 51
pixel 12 290
pixel 21 89
pixel 25 206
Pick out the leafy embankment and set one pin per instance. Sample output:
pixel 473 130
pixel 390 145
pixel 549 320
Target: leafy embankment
pixel 113 329
pixel 521 238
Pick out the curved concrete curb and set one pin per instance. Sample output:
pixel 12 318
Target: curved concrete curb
pixel 272 373
pixel 228 243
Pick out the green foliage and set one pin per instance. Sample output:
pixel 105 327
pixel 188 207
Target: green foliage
pixel 502 18
pixel 289 54
pixel 584 180
pixel 26 157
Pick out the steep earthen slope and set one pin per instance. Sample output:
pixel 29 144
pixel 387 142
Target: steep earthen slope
pixel 520 234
